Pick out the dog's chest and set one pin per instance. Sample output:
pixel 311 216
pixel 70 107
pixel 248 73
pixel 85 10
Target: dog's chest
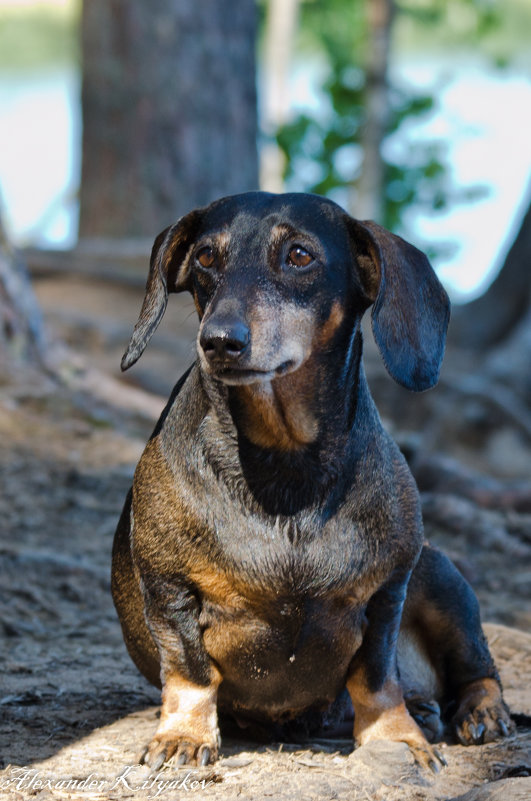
pixel 275 593
pixel 270 559
pixel 208 530
pixel 285 620
pixel 299 554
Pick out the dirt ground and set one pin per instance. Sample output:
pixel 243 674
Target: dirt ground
pixel 75 712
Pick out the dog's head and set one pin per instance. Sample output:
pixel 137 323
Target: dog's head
pixel 274 277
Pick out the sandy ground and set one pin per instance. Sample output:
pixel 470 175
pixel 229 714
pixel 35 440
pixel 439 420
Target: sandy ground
pixel 75 712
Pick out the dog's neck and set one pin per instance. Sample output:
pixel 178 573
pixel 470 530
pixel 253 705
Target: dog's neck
pixel 294 435
pixel 278 415
pixel 301 409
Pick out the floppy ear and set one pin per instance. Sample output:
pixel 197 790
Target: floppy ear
pixel 411 310
pixel 168 272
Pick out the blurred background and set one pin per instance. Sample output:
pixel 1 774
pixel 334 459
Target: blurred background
pixel 414 113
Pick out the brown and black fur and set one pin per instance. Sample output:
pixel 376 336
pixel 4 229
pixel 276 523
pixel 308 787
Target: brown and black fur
pixel 270 553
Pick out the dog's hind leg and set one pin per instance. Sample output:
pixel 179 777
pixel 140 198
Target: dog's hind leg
pixel 129 602
pixel 443 655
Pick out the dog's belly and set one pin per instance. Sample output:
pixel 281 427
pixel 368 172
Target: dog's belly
pixel 279 665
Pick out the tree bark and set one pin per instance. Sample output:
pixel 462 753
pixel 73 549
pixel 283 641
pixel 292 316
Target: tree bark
pixel 169 110
pixel 367 196
pixel 21 328
pixel 495 315
pixel 280 33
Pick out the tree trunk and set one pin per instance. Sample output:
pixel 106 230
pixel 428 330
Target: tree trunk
pixel 169 110
pixel 279 35
pixel 367 201
pixel 492 318
pixel 21 332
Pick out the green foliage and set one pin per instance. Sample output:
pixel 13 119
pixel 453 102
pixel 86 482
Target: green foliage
pixel 33 37
pixel 323 152
pixel 455 22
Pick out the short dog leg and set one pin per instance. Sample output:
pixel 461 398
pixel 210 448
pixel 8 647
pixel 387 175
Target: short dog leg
pixel 383 715
pixel 188 720
pixel 443 607
pixel 380 712
pixel 482 716
pixel 188 723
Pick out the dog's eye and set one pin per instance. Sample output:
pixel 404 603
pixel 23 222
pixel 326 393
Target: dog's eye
pixel 299 257
pixel 206 257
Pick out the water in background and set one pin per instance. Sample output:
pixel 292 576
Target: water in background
pixel 40 156
pixel 483 116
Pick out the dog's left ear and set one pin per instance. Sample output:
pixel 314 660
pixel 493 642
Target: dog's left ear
pixel 167 273
pixel 411 309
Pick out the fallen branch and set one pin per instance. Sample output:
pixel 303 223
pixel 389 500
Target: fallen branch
pixel 435 472
pixel 492 394
pixel 123 262
pixel 481 526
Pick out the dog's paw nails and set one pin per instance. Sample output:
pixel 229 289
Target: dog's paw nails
pixel 502 726
pixel 184 752
pixel 158 761
pixel 477 732
pixel 472 732
pixel 182 758
pixel 467 733
pixel 141 759
pixel 154 756
pixel 203 756
pixel 428 757
pixel 482 716
pixel 157 753
pixel 437 761
pixel 479 727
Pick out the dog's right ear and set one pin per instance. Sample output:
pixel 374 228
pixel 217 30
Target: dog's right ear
pixel 168 272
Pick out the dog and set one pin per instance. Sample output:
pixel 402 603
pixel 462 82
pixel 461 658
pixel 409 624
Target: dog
pixel 269 559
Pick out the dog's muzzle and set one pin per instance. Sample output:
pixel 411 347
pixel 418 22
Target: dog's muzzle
pixel 224 344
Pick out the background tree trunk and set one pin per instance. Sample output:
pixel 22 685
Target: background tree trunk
pixel 367 196
pixel 169 110
pixel 495 315
pixel 279 35
pixel 21 331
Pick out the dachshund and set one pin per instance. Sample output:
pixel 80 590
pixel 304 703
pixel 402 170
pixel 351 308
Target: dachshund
pixel 270 557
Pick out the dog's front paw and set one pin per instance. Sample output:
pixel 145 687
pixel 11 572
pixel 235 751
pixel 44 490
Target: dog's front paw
pixel 396 724
pixel 185 749
pixel 482 715
pixel 188 728
pixel 426 755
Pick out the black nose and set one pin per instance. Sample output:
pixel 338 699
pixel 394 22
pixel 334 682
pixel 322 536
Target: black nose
pixel 224 340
